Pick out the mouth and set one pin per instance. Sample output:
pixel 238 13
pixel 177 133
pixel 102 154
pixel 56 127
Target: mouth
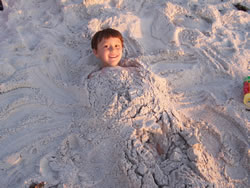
pixel 114 56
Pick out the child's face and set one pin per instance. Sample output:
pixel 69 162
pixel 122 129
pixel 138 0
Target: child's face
pixel 109 51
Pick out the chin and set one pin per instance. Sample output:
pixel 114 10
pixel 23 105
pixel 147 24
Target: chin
pixel 110 64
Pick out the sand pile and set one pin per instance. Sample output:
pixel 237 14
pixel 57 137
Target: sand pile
pixel 177 121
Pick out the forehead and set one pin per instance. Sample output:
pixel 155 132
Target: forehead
pixel 110 40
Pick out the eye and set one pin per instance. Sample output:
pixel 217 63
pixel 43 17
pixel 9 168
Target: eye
pixel 117 46
pixel 105 46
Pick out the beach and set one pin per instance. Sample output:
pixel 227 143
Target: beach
pixel 177 121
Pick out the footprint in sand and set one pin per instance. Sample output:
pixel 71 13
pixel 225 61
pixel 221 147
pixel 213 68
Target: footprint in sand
pixel 189 37
pixel 132 47
pixel 6 70
pixel 163 29
pixel 46 171
pixel 29 38
pixel 211 139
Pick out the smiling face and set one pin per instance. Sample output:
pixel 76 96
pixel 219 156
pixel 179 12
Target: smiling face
pixel 109 51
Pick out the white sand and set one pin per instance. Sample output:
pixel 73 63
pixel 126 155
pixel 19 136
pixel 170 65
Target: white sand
pixel 177 122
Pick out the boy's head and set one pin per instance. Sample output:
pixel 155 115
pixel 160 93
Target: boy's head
pixel 107 45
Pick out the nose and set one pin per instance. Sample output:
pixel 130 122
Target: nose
pixel 111 48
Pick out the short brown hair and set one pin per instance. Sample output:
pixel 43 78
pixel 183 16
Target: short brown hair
pixel 105 33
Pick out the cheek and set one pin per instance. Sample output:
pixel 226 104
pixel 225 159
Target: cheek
pixel 101 52
pixel 121 51
pixel 105 53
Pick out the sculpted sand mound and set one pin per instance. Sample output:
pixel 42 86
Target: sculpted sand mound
pixel 120 128
pixel 132 137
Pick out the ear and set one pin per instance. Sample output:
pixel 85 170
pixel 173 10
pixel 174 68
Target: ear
pixel 95 52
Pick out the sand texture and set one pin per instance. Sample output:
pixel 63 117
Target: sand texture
pixel 176 121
